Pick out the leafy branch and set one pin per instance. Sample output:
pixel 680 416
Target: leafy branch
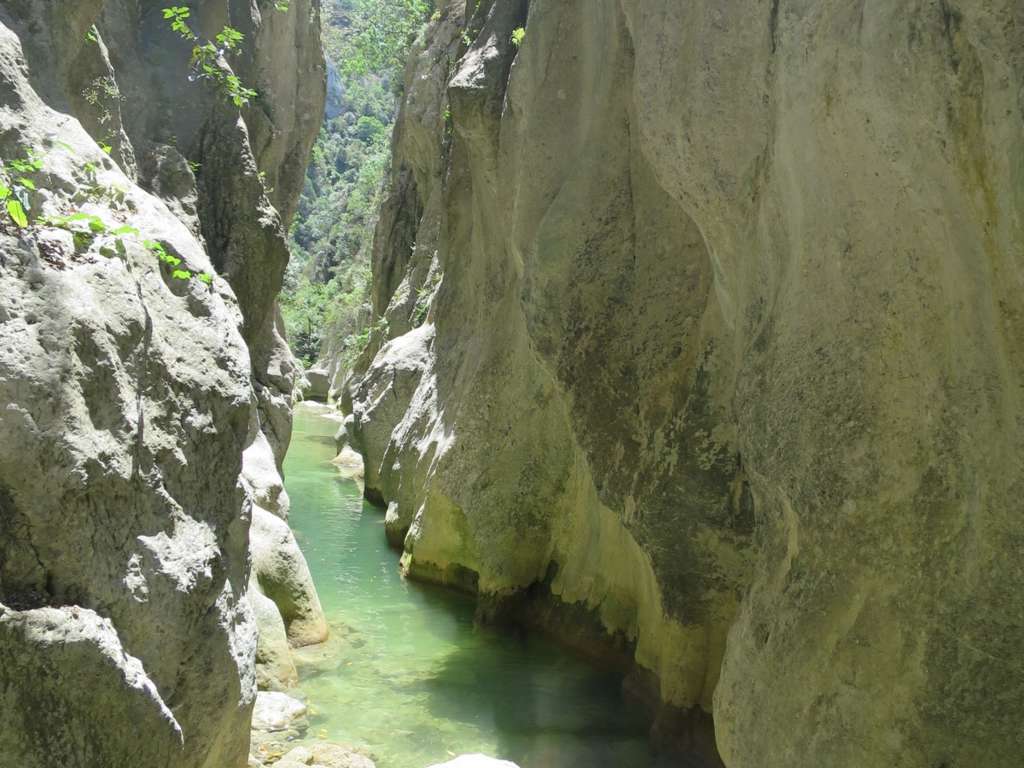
pixel 208 60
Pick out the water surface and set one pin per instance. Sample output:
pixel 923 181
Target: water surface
pixel 407 676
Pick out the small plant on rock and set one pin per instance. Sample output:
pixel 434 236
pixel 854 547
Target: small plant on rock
pixel 16 186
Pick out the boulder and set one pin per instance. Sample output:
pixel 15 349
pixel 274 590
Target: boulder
pixel 261 477
pixel 283 576
pixel 275 711
pixel 275 668
pixel 349 464
pixel 317 384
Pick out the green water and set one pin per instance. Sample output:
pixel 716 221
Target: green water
pixel 407 676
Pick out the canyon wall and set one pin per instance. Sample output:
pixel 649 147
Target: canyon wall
pixel 144 415
pixel 704 326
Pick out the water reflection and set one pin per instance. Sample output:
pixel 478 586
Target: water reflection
pixel 408 676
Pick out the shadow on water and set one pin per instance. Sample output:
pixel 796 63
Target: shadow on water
pixel 551 711
pixel 408 675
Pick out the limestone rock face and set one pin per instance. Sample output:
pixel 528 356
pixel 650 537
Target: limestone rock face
pixel 727 349
pixel 128 397
pixel 72 660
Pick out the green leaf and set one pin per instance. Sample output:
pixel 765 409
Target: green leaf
pixel 27 183
pixel 181 274
pixel 17 212
pixel 125 230
pixel 5 191
pixel 206 277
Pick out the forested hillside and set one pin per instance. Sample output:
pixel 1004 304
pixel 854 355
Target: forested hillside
pixel 326 292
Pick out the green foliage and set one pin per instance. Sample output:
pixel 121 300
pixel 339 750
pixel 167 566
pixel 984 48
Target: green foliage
pixel 15 189
pixel 207 60
pixel 423 298
pixel 518 35
pixel 178 16
pixel 326 294
pixel 372 37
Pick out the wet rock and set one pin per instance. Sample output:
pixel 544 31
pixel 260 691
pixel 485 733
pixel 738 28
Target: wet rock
pixel 324 755
pixel 350 465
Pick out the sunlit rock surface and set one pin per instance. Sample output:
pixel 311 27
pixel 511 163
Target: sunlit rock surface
pixel 128 397
pixel 727 354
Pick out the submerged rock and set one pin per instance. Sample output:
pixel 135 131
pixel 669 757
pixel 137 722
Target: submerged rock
pixel 350 465
pixel 325 755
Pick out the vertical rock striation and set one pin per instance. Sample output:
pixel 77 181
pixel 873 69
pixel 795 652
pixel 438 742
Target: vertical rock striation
pixel 726 355
pixel 143 418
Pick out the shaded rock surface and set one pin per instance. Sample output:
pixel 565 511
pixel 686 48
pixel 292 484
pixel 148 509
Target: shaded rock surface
pixel 128 397
pixel 726 351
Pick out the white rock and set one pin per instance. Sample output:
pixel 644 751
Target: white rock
pixel 475 761
pixel 276 711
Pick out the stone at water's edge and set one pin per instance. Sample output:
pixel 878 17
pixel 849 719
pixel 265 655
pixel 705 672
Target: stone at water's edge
pixel 276 711
pixel 728 353
pixel 281 572
pixel 316 384
pixel 324 756
pixel 128 397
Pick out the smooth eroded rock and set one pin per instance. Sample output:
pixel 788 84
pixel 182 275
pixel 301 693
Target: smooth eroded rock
pixel 283 576
pixel 276 711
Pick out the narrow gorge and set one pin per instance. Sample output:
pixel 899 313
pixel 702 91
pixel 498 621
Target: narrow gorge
pixel 671 359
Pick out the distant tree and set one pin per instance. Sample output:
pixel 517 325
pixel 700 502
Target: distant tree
pixel 373 36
